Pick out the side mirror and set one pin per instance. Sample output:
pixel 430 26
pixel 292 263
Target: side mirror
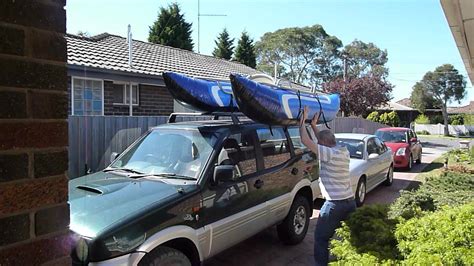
pixel 373 155
pixel 223 173
pixel 113 156
pixel 413 140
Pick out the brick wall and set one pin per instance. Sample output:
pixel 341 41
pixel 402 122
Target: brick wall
pixel 34 214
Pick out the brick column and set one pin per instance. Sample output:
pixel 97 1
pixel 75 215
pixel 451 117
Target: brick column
pixel 34 214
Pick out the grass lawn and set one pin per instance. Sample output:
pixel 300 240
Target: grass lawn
pixel 446 137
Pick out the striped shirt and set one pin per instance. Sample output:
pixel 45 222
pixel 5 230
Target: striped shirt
pixel 335 181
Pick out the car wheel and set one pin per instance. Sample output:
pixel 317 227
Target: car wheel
pixel 165 256
pixel 389 180
pixel 294 227
pixel 418 161
pixel 360 192
pixel 410 163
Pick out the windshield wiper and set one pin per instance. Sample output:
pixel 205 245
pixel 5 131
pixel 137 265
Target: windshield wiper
pixel 170 175
pixel 123 169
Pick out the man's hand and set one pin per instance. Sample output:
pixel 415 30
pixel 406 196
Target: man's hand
pixel 314 121
pixel 304 115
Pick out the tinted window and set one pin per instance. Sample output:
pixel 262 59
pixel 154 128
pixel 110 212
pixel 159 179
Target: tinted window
pixel 380 146
pixel 296 140
pixel 274 146
pixel 239 150
pixel 354 146
pixel 371 146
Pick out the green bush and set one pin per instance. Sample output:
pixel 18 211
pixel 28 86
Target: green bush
pixel 374 116
pixel 367 236
pixel 390 119
pixel 436 119
pixel 468 119
pixel 423 132
pixel 456 119
pixel 444 237
pixel 422 119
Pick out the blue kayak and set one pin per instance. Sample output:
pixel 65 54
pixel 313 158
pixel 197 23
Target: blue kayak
pixel 270 104
pixel 201 94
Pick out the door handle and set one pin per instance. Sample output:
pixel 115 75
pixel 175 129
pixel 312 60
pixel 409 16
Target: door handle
pixel 258 184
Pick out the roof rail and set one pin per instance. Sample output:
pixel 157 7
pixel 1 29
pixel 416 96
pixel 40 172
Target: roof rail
pixel 233 115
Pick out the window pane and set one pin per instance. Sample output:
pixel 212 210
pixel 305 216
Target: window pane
pixel 79 83
pixel 88 84
pixel 97 106
pixel 97 85
pixel 96 94
pixel 78 93
pixel 118 93
pixel 87 105
pixel 239 150
pixel 296 140
pixel 135 94
pixel 371 147
pixel 88 94
pixel 274 146
pixel 78 106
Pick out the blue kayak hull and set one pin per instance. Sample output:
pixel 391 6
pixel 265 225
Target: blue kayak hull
pixel 278 106
pixel 200 94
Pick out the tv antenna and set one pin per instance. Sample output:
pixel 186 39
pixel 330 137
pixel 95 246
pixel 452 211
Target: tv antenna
pixel 199 26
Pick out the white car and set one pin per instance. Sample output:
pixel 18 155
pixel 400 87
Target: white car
pixel 371 163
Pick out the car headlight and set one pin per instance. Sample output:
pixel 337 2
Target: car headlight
pixel 82 250
pixel 401 152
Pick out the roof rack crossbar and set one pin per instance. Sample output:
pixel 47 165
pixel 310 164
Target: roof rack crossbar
pixel 233 115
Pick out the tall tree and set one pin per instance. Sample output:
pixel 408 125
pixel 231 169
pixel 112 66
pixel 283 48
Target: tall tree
pixel 419 98
pixel 171 29
pixel 307 54
pixel 245 51
pixel 442 86
pixel 224 46
pixel 358 95
pixel 365 59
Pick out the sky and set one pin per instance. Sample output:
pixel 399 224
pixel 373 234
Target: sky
pixel 415 33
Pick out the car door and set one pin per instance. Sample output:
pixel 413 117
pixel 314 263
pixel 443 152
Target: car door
pixel 235 210
pixel 373 164
pixel 385 159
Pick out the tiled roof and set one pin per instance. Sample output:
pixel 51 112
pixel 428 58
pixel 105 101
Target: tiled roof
pixel 467 109
pixel 405 101
pixel 395 107
pixel 110 52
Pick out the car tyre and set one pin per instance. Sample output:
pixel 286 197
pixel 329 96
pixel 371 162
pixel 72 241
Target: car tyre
pixel 418 161
pixel 389 180
pixel 165 256
pixel 294 227
pixel 361 192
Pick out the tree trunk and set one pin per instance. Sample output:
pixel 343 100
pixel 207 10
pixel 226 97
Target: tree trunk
pixel 445 118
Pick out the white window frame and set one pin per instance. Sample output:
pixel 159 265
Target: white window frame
pixel 72 92
pixel 125 88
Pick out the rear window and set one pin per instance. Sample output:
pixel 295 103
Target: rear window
pixel 274 146
pixel 296 140
pixel 392 136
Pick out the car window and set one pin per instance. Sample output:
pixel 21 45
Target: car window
pixel 296 140
pixel 274 146
pixel 354 146
pixel 239 150
pixel 371 146
pixel 380 146
pixel 392 136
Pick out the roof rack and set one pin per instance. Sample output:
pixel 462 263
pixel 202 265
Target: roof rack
pixel 233 115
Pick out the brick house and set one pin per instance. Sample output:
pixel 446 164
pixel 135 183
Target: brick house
pixel 99 75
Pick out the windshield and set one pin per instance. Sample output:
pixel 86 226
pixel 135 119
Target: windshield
pixel 392 136
pixel 170 152
pixel 354 146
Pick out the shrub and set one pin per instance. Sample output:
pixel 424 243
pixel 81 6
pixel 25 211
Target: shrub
pixel 423 132
pixel 436 119
pixel 468 119
pixel 390 119
pixel 443 237
pixel 456 119
pixel 422 119
pixel 367 236
pixel 374 116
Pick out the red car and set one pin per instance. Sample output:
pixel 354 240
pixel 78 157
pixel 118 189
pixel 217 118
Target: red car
pixel 406 148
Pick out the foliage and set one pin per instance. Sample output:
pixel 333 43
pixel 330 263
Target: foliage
pixel 423 132
pixel 360 94
pixel 469 119
pixel 367 236
pixel 420 98
pixel 451 188
pixel 306 54
pixel 245 51
pixel 374 116
pixel 171 29
pixel 224 47
pixel 443 237
pixel 391 119
pixel 443 85
pixel 422 119
pixel 83 33
pixel 436 119
pixel 456 119
pixel 365 59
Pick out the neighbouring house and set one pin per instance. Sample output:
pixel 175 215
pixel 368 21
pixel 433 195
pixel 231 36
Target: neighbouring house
pixel 466 109
pixel 406 112
pixel 99 75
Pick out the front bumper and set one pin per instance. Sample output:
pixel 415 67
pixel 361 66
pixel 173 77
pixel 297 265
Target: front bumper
pixel 124 260
pixel 400 161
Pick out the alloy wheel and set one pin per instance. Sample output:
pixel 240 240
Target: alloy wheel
pixel 299 220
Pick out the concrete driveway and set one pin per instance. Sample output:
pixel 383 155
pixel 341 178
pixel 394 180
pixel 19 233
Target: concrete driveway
pixel 265 248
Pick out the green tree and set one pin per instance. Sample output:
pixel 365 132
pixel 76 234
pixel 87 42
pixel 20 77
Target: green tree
pixel 224 46
pixel 307 54
pixel 245 51
pixel 365 59
pixel 374 116
pixel 390 119
pixel 420 98
pixel 171 29
pixel 443 85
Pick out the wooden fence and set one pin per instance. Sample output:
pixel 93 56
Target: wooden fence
pixel 93 138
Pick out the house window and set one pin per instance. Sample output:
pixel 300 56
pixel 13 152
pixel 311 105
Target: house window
pixel 87 96
pixel 122 93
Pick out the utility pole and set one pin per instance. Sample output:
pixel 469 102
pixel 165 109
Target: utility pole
pixel 199 22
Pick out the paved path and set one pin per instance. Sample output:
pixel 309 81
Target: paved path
pixel 265 248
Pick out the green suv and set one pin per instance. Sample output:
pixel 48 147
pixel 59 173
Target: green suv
pixel 186 191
